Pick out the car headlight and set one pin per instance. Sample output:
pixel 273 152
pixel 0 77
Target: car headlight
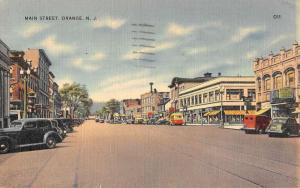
pixel 65 131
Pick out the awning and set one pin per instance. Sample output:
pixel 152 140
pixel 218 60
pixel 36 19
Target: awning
pixel 297 111
pixel 262 111
pixel 234 112
pixel 212 113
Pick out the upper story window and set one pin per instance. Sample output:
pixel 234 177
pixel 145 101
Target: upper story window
pixel 290 78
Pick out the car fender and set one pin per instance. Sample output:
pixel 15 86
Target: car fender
pixel 52 133
pixel 12 141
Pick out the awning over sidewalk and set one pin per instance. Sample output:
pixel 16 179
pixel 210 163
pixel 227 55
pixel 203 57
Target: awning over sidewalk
pixel 234 112
pixel 262 111
pixel 212 113
pixel 297 111
pixel 238 112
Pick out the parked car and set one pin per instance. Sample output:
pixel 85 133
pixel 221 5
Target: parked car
pixel 138 121
pixel 285 126
pixel 97 120
pixel 162 122
pixel 60 129
pixel 101 120
pixel 28 132
pixel 256 123
pixel 68 124
pixel 152 121
pixel 176 119
pixel 130 121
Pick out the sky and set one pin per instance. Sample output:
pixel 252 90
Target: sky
pixel 189 37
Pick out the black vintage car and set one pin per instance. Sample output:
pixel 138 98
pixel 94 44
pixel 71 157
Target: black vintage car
pixel 284 126
pixel 28 132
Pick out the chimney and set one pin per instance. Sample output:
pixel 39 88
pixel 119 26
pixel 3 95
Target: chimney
pixel 151 87
pixel 208 74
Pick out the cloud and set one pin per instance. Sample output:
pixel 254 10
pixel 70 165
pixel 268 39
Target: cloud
pixel 245 32
pixel 135 85
pixel 85 65
pixel 158 48
pixel 251 55
pixel 197 50
pixel 64 80
pixel 33 29
pixel 55 47
pixel 279 39
pixel 174 29
pixel 108 22
pixel 97 56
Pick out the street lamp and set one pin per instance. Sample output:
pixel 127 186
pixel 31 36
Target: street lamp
pixel 184 113
pixel 221 95
pixel 25 76
pixel 177 97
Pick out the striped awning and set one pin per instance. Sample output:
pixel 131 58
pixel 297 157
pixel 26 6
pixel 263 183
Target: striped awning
pixel 262 111
pixel 212 113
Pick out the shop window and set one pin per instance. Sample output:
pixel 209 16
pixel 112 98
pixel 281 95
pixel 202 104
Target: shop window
pixel 234 94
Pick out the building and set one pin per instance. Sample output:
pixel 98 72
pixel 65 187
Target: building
pixel 41 62
pixel 277 82
pixel 219 100
pixel 179 84
pixel 151 103
pixel 17 87
pixel 4 85
pixel 51 94
pixel 131 108
pixel 57 101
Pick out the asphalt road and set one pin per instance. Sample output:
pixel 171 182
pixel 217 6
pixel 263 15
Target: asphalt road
pixel 146 156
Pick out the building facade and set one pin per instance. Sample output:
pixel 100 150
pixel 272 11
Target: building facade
pixel 41 62
pixel 277 81
pixel 151 102
pixel 4 85
pixel 57 101
pixel 179 84
pixel 17 87
pixel 219 100
pixel 131 108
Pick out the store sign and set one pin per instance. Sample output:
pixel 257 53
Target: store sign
pixel 286 93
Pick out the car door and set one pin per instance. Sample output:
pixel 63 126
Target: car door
pixel 27 135
pixel 43 127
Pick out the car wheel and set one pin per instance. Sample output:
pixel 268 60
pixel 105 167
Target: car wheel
pixel 4 146
pixel 260 131
pixel 270 135
pixel 50 142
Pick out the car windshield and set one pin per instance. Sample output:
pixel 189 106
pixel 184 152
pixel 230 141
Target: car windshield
pixel 279 121
pixel 16 124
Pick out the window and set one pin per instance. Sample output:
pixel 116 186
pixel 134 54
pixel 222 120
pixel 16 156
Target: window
pixel 193 101
pixel 278 81
pixel 267 84
pixel 211 96
pixel 200 99
pixel 290 78
pixel 196 99
pixel 30 125
pixel 217 95
pixel 251 93
pixel 259 85
pixel 234 94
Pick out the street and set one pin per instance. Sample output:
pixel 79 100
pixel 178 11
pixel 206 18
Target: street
pixel 108 155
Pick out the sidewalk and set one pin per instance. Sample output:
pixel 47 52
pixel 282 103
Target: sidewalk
pixel 231 126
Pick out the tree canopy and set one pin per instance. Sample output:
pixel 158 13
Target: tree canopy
pixel 76 97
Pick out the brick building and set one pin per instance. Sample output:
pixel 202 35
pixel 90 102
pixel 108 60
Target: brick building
pixel 41 62
pixel 151 103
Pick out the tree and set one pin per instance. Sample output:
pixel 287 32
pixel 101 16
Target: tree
pixel 113 106
pixel 75 97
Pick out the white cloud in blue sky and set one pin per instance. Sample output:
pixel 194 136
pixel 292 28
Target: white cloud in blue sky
pixel 191 37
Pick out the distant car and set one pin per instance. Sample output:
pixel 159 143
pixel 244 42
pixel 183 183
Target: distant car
pixel 101 120
pixel 130 121
pixel 152 121
pixel 138 121
pixel 28 132
pixel 145 121
pixel 97 119
pixel 162 122
pixel 284 126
